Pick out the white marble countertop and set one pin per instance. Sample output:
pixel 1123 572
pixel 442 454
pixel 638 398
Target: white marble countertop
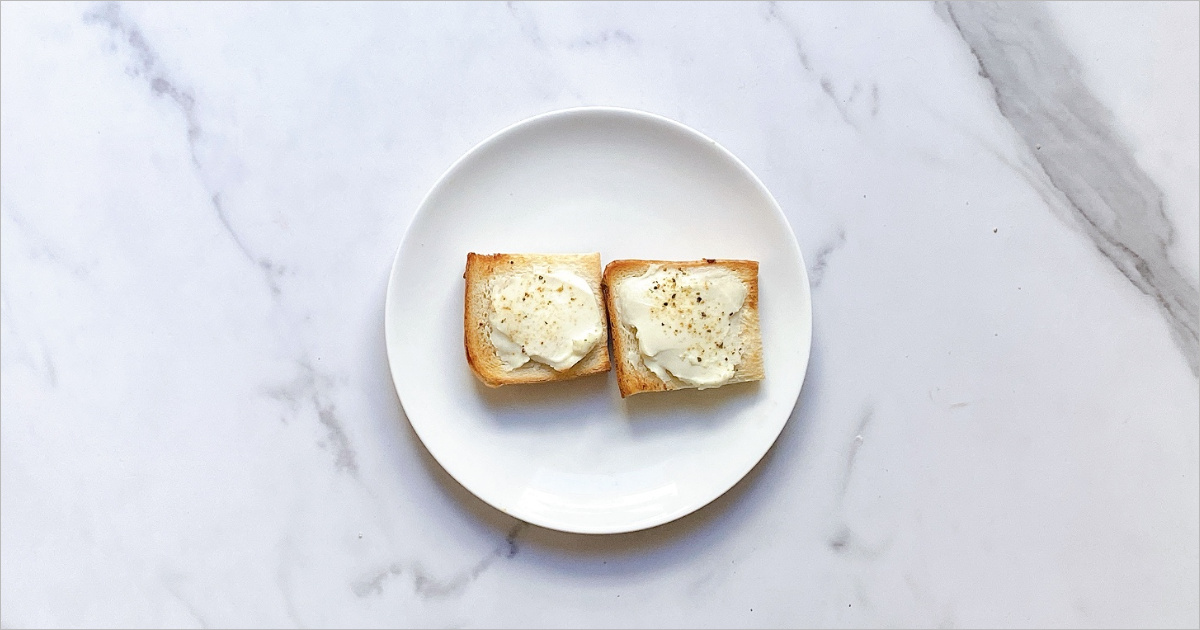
pixel 998 207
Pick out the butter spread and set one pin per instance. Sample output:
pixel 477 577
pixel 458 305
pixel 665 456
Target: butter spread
pixel 687 322
pixel 551 317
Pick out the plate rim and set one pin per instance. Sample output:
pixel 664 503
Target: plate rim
pixel 422 208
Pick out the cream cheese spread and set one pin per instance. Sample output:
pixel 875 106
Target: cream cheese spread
pixel 687 322
pixel 552 317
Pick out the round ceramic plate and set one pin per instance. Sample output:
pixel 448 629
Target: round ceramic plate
pixel 573 455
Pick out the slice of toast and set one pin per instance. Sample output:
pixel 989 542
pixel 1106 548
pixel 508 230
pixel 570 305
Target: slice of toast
pixel 633 377
pixel 482 269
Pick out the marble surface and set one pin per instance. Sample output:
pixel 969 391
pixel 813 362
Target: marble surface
pixel 199 206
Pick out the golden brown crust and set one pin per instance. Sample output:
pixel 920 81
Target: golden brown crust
pixel 481 355
pixel 633 377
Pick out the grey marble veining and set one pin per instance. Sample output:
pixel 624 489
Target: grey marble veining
pixel 430 586
pixel 200 204
pixel 147 65
pixel 857 104
pixel 309 391
pixel 1092 174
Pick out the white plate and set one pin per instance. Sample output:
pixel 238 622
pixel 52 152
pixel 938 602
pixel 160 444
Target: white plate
pixel 574 456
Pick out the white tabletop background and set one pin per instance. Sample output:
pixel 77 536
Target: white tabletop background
pixel 998 207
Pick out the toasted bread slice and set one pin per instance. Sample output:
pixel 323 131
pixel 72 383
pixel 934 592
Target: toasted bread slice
pixel 633 377
pixel 482 269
